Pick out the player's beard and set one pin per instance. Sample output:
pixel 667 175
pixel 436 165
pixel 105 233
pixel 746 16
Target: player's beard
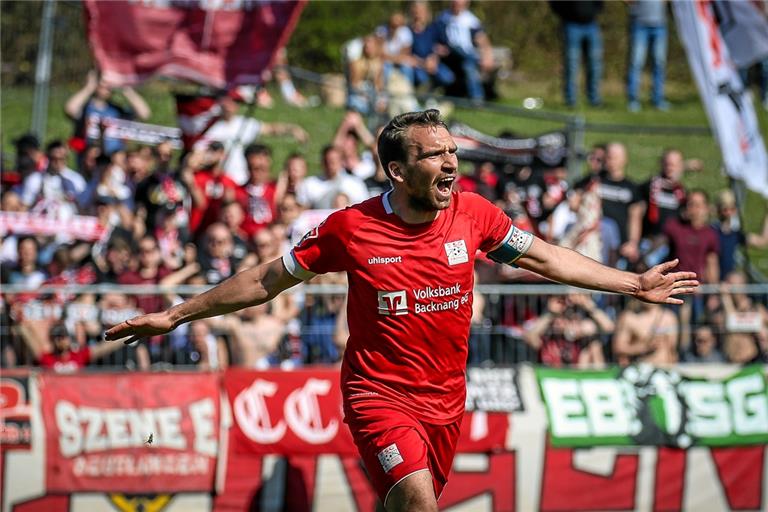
pixel 421 196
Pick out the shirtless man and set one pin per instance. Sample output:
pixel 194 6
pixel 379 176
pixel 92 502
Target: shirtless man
pixel 256 333
pixel 646 333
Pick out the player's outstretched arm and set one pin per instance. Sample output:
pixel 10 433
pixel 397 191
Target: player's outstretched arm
pixel 250 287
pixel 658 284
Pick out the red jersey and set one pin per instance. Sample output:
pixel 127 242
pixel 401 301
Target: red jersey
pixel 258 202
pixel 64 363
pixel 410 297
pixel 216 190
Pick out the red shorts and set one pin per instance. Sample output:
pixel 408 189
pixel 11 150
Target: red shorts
pixel 394 444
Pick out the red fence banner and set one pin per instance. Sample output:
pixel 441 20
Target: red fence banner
pixel 300 413
pixel 140 433
pixel 15 409
pixel 220 43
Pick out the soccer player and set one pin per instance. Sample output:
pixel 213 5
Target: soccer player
pixel 409 255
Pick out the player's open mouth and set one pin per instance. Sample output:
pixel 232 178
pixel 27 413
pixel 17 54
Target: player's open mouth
pixel 445 185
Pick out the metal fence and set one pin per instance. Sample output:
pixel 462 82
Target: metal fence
pixel 311 326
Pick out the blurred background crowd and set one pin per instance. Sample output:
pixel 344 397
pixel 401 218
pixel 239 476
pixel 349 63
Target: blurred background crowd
pixel 151 223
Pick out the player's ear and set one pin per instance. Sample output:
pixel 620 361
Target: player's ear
pixel 396 170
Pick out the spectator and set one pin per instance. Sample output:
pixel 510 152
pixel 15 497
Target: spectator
pixel 730 234
pixel 349 135
pixel 151 270
pixel 742 313
pixel 646 333
pixel 256 335
pixel 232 216
pixel 165 191
pixel 27 272
pixel 596 159
pixel 693 241
pixel 57 190
pixel 483 180
pixel 114 308
pixel 664 194
pixel 93 104
pixel 704 348
pixel 568 333
pixel 114 260
pixel 319 191
pixel 59 354
pixel 469 52
pixel 207 351
pixel 217 259
pixel 745 348
pixel 580 29
pixel 257 197
pixel 29 159
pixel 397 40
pixel 378 183
pixel 234 132
pixel 212 187
pixel 620 199
pixel 647 29
pixel 579 227
pixel 365 77
pixel 293 173
pixel 426 64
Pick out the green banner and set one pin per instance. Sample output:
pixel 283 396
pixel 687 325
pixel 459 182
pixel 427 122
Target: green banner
pixel 645 405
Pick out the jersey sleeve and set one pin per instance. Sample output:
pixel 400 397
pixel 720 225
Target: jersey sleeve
pixel 500 239
pixel 321 250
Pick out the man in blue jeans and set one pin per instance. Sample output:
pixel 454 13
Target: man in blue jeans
pixel 580 29
pixel 647 30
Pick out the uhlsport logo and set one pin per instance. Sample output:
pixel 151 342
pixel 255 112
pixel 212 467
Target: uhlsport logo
pixel 393 303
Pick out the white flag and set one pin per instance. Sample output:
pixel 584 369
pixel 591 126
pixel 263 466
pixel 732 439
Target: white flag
pixel 729 107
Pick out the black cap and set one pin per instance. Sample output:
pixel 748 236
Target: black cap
pixel 27 141
pixel 216 146
pixel 58 331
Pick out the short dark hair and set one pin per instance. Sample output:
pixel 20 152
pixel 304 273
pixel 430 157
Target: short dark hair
pixel 257 149
pixel 695 191
pixel 215 146
pixel 54 144
pixel 392 140
pixel 328 148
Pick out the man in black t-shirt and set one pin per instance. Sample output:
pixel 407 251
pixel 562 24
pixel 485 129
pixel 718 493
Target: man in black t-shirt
pixel 663 194
pixel 621 199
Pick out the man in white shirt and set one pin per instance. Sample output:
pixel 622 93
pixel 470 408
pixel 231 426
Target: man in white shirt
pixel 58 190
pixel 236 132
pixel 320 191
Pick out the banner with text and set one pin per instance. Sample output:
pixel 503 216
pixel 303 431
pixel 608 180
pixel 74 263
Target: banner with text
pixel 644 405
pixel 218 44
pixel 300 412
pixel 139 433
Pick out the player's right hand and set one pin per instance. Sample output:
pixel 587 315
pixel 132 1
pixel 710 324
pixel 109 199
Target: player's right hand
pixel 140 327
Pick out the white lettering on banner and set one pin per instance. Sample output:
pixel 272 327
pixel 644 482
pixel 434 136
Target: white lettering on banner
pixel 750 404
pixel 202 414
pixel 708 413
pixel 302 412
pixel 567 414
pixel 91 429
pixel 253 416
pixel 129 465
pixel 606 409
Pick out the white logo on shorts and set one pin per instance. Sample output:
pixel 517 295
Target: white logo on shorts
pixel 390 457
pixel 457 252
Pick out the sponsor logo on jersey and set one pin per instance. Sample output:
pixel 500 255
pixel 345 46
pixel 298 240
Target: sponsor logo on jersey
pixel 456 252
pixel 389 457
pixel 384 260
pixel 393 303
pixel 440 292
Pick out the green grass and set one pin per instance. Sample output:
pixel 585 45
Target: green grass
pixel 644 149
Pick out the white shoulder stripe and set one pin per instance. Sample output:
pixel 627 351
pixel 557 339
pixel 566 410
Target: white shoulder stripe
pixel 295 269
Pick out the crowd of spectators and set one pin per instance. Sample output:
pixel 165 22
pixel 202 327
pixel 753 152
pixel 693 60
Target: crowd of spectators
pixel 98 210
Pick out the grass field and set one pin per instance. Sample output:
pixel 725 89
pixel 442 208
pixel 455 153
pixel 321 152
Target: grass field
pixel 644 149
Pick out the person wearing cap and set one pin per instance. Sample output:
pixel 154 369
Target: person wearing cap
pixel 60 355
pixel 731 234
pixel 235 132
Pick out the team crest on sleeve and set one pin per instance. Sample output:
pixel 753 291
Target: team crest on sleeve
pixel 312 233
pixel 456 252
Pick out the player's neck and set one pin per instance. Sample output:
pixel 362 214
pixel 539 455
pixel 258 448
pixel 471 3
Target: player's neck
pixel 402 207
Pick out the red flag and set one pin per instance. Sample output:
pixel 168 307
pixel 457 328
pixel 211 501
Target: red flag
pixel 218 44
pixel 195 115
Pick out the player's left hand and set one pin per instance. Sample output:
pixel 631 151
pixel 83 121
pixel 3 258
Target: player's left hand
pixel 658 285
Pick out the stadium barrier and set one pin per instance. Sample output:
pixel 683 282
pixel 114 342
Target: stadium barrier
pixel 496 336
pixel 689 438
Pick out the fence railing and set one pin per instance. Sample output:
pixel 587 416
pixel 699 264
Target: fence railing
pixel 311 328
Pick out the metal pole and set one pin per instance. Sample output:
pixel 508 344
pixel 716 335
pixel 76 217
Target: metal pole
pixel 43 70
pixel 575 130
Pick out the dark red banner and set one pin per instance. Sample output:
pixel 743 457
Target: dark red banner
pixel 220 43
pixel 140 433
pixel 300 412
